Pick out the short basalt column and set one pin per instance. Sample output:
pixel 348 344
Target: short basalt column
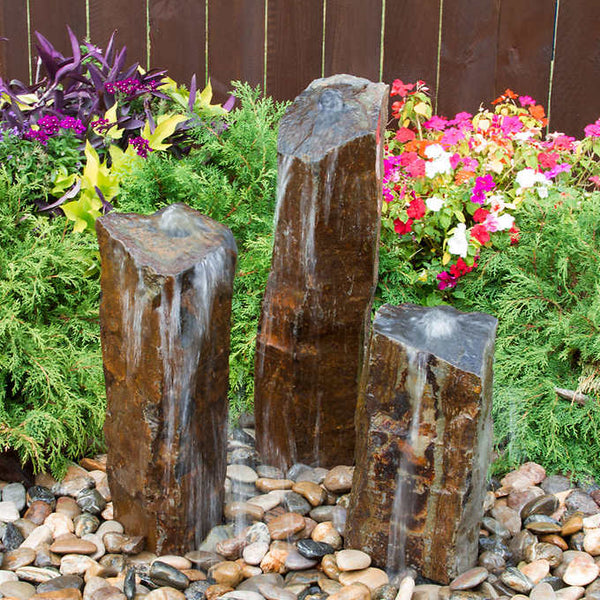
pixel 424 434
pixel 316 308
pixel 165 320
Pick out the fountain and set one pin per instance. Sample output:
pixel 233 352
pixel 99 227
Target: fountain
pixel 316 309
pixel 424 435
pixel 165 321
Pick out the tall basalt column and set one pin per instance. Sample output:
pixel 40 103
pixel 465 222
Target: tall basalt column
pixel 164 321
pixel 424 435
pixel 316 308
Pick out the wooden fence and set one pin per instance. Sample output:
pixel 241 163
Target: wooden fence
pixel 468 51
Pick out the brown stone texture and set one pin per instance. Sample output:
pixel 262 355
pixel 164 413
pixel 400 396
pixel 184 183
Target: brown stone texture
pixel 419 482
pixel 165 320
pixel 316 308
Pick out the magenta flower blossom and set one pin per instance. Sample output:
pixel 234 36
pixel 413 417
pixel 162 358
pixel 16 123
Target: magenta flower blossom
pixel 554 171
pixel 446 280
pixel 526 101
pixel 511 125
pixel 482 185
pixel 141 146
pixel 452 136
pixel 593 129
pixel 470 163
pixel 71 123
pixel 436 123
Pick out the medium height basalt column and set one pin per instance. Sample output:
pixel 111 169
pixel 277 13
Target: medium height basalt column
pixel 316 308
pixel 165 320
pixel 424 435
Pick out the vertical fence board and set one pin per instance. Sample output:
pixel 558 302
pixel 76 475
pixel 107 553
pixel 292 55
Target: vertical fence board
pixel 236 42
pixel 14 54
pixel 294 42
pixel 127 19
pixel 411 41
pixel 576 67
pixel 468 56
pixel 177 38
pixel 352 37
pixel 525 38
pixel 51 17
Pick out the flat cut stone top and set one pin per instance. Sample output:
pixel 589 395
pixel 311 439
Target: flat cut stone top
pixel 171 240
pixel 459 338
pixel 329 113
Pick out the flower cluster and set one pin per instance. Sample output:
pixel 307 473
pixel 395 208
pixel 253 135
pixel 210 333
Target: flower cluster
pixel 452 186
pixel 130 86
pixel 50 125
pixel 141 146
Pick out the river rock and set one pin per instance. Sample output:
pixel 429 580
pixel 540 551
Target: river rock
pixel 285 526
pixel 255 552
pixel 327 533
pixel 17 589
pixel 15 493
pixel 164 574
pixel 545 505
pixel 15 559
pixel 371 577
pixel 60 583
pixel 311 491
pixel 516 580
pixel 8 512
pixel 580 571
pixel 352 560
pixel 296 503
pixel 165 593
pixel 226 573
pixel 309 349
pixel 580 501
pixel 171 272
pixel 446 506
pixel 71 544
pixel 469 579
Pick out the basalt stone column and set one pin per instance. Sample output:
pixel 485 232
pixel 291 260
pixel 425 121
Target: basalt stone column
pixel 165 320
pixel 424 435
pixel 317 304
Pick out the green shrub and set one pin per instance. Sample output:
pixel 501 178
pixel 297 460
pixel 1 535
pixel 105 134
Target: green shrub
pixel 545 292
pixel 51 384
pixel 230 175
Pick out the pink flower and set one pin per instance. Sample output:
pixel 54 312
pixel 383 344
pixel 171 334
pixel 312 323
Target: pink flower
pixel 469 163
pixel 595 179
pixel 593 130
pixel 436 123
pixel 452 136
pixel 462 120
pixel 526 101
pixel 547 160
pixel 404 134
pixel 554 171
pixel 387 195
pixel 511 125
pixel 454 160
pixel 416 168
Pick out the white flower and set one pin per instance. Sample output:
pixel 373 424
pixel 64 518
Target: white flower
pixel 526 178
pixel 434 203
pixel 458 243
pixel 504 221
pixel 542 191
pixel 440 162
pixel 523 136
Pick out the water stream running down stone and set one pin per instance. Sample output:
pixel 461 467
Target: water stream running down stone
pixel 316 310
pixel 165 318
pixel 424 435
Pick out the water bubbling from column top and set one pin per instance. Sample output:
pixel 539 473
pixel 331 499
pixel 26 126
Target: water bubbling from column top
pixel 175 222
pixel 435 324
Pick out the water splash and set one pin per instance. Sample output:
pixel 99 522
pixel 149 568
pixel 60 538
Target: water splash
pixel 404 497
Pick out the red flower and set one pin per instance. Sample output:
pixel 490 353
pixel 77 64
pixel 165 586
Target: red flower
pixel 515 234
pixel 404 134
pixel 480 233
pixel 401 228
pixel 416 209
pixel 480 215
pixel 401 89
pixel 460 268
pixel 396 108
pixel 547 160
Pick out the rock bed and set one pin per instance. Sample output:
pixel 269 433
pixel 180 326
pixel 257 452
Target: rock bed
pixel 282 540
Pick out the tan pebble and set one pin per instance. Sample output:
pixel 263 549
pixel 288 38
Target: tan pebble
pixel 555 540
pixel 60 524
pixel 40 535
pixel 286 525
pixel 108 513
pixel 75 564
pixel 354 591
pixel 38 512
pixel 215 591
pixel 165 593
pixel 592 522
pixel 45 480
pixel 326 532
pixel 97 462
pixel 570 593
pixel 194 574
pixel 372 577
pixel 268 501
pixel 330 568
pixel 536 570
pixel 406 588
pixel 352 560
pixel 339 479
pixel 67 506
pixel 92 584
pixel 243 509
pixel 329 586
pixel 250 571
pixel 272 564
pixel 71 544
pixel 572 525
pixel 309 526
pixel 227 573
pixel 64 594
pixel 313 492
pixel 177 562
pixel 591 542
pixel 580 572
pixel 265 484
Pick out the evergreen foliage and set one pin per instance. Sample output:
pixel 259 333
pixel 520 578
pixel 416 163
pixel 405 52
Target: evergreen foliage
pixel 230 175
pixel 51 384
pixel 545 292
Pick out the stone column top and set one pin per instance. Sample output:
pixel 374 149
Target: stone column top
pixel 169 241
pixel 329 113
pixel 458 338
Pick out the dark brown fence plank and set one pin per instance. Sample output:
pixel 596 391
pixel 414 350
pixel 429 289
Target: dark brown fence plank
pixel 51 17
pixel 177 38
pixel 236 41
pixel 525 48
pixel 468 57
pixel 129 21
pixel 411 41
pixel 576 67
pixel 352 37
pixel 14 60
pixel 294 42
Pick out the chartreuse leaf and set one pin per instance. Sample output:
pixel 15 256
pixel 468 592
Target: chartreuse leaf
pixel 110 115
pixel 83 211
pixel 165 126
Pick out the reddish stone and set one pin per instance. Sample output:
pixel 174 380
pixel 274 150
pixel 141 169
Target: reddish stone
pixel 439 364
pixel 165 318
pixel 316 309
